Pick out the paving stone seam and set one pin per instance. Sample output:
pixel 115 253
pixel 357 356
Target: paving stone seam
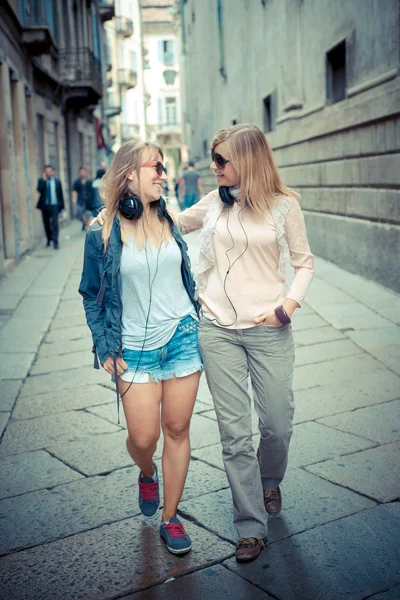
pixel 74 410
pixel 346 487
pixel 243 576
pixel 192 570
pixel 74 339
pixel 61 411
pixel 197 570
pixel 357 299
pixel 12 408
pixel 318 462
pixel 255 585
pixel 362 437
pixel 104 418
pixel 67 536
pixel 343 331
pixel 62 461
pixel 316 420
pixel 194 458
pixel 375 358
pixel 339 485
pixel 193 520
pixel 297 345
pixel 76 387
pixel 324 360
pixel 50 372
pixel 381 591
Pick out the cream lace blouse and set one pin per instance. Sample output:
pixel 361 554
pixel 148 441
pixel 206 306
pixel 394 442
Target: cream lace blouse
pixel 242 258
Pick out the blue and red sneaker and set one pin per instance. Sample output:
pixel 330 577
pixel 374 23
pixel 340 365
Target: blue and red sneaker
pixel 149 496
pixel 175 536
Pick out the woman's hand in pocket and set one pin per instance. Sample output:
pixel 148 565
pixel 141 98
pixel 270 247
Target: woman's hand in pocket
pixel 108 365
pixel 269 320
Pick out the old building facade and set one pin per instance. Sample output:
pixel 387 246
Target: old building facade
pixel 322 81
pixel 162 80
pixel 124 104
pixel 51 76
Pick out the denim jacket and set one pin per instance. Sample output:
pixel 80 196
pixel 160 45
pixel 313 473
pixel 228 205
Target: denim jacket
pixel 100 288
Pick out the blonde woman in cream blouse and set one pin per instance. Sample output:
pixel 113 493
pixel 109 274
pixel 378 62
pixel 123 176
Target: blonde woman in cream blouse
pixel 245 325
pixel 246 226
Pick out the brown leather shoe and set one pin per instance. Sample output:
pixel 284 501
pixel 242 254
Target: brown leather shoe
pixel 249 549
pixel 273 501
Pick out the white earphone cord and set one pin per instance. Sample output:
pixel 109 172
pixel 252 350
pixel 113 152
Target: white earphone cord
pixel 230 268
pixel 151 283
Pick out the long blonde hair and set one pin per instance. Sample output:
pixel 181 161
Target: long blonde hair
pixel 116 185
pixel 259 179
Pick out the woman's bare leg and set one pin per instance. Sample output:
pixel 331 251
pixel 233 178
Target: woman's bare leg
pixel 142 411
pixel 179 396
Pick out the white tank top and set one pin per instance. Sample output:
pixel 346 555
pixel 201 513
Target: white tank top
pixel 169 299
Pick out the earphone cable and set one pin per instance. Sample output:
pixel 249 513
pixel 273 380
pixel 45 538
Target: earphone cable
pixel 230 267
pixel 151 283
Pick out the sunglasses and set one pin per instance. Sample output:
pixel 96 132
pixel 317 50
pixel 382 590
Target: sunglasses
pixel 157 164
pixel 220 161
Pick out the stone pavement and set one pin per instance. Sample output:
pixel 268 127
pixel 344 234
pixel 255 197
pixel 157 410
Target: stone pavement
pixel 70 525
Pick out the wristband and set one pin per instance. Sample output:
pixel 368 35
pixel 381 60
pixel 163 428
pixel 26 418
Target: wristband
pixel 282 315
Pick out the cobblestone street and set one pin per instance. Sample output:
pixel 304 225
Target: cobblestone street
pixel 70 522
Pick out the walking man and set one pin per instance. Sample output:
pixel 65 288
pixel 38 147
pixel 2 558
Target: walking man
pixel 51 203
pixel 191 186
pixel 81 193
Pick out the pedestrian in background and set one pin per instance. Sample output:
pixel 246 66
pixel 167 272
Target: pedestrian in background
pixel 81 194
pixel 138 295
pixel 246 314
pixel 96 202
pixel 176 189
pixel 190 186
pixel 51 203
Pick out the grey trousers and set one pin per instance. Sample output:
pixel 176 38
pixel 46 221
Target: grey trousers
pixel 267 354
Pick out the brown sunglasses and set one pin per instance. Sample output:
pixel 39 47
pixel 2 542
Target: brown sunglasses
pixel 157 164
pixel 219 160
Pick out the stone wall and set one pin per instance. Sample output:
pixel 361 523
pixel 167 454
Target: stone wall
pixel 343 157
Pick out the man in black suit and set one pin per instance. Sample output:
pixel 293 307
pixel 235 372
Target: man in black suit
pixel 51 203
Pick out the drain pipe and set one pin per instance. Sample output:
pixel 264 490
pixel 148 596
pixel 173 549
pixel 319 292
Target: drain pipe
pixel 221 42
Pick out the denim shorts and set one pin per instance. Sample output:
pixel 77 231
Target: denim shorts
pixel 178 358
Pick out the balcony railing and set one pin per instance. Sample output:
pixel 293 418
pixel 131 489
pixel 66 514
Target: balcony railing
pixel 129 131
pixel 81 71
pixel 106 10
pixel 113 104
pixel 127 78
pixel 124 26
pixel 169 127
pixel 37 19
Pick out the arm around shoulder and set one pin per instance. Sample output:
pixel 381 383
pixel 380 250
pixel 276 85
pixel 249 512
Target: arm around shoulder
pixel 192 218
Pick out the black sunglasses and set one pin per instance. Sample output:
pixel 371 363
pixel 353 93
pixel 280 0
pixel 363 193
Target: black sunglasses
pixel 157 164
pixel 219 160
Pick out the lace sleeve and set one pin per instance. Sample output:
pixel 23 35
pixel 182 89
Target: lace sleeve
pixel 301 258
pixel 192 218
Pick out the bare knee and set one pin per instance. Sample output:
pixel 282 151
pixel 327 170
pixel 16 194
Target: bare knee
pixel 141 443
pixel 177 432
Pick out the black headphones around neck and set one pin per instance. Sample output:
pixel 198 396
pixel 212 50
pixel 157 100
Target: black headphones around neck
pixel 131 207
pixel 226 196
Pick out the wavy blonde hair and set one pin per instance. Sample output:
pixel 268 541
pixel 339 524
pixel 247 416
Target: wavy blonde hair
pixel 116 185
pixel 259 179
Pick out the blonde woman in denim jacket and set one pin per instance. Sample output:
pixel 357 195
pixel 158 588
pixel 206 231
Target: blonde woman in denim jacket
pixel 138 295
